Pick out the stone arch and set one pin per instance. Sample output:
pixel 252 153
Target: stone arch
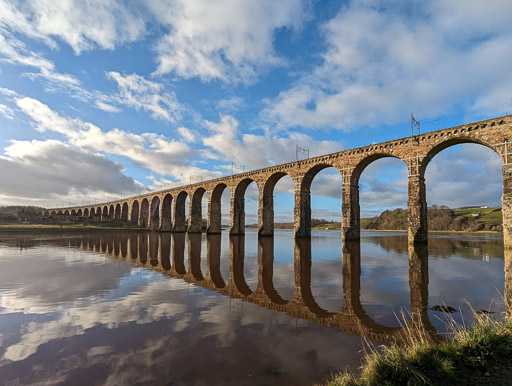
pixel 79 213
pixel 99 214
pixel 46 213
pixel 302 221
pixel 92 214
pixel 449 143
pixel 73 213
pixel 195 221
pixel 104 214
pixel 124 212
pixel 135 212
pixel 238 207
pixel 117 213
pixel 266 207
pixel 365 162
pixel 144 213
pixel 350 208
pixel 53 214
pixel 111 213
pixel 506 197
pixel 214 225
pixel 154 217
pixel 166 221
pixel 179 223
pixel 86 212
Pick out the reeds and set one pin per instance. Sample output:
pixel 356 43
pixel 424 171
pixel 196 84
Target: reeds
pixel 478 354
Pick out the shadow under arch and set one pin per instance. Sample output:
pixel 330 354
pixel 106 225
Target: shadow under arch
pixel 117 216
pixel 144 213
pixel 195 221
pixel 214 221
pixel 124 212
pixel 154 214
pixel 166 221
pixel 302 223
pixel 238 207
pixel 180 223
pixel 266 226
pixel 135 212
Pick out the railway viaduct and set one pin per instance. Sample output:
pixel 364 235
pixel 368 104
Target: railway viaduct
pixel 165 210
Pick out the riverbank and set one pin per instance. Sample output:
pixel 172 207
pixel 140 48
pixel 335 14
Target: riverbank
pixel 33 228
pixel 480 354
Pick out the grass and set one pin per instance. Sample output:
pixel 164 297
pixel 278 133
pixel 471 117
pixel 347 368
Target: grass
pixel 480 354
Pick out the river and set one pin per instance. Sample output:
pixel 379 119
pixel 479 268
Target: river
pixel 154 308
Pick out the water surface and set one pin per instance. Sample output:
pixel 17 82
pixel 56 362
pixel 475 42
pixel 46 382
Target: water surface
pixel 150 308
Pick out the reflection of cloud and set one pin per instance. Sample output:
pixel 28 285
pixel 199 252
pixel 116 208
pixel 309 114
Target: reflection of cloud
pixel 150 304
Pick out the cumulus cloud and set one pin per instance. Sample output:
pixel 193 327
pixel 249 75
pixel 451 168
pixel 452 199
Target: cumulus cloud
pixel 382 60
pixel 149 150
pixel 49 169
pixel 137 92
pixel 256 151
pixel 473 178
pixel 82 25
pixel 226 40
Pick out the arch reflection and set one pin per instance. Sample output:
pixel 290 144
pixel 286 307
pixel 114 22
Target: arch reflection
pixel 165 253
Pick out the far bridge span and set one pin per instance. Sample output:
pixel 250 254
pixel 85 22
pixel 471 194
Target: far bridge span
pixel 165 210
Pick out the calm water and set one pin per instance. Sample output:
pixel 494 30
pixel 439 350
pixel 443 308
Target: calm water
pixel 148 308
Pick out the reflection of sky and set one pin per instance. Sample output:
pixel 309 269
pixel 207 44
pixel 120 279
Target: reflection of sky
pixel 73 310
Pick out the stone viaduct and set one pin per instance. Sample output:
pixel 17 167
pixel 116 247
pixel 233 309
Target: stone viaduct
pixel 165 210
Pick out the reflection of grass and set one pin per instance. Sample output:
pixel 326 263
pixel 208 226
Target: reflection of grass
pixel 480 354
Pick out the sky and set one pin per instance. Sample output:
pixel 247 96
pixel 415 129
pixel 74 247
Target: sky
pixel 105 99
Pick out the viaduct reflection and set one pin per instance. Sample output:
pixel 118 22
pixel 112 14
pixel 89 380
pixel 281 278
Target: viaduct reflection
pixel 165 253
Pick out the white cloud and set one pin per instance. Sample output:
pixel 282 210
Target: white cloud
pixel 82 25
pixel 222 40
pixel 384 60
pixel 107 107
pixel 137 92
pixel 230 104
pixel 6 111
pixel 51 169
pixel 256 151
pixel 149 150
pixel 186 134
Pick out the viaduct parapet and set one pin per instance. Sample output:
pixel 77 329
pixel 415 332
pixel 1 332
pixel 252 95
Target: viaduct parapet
pixel 165 210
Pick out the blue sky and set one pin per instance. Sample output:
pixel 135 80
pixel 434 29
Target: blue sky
pixel 100 99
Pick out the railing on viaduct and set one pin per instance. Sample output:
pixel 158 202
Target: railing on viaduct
pixel 165 210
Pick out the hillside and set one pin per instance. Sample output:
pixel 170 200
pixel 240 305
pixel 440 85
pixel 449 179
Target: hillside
pixel 441 218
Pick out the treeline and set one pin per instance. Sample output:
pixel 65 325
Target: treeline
pixel 440 218
pixel 9 214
